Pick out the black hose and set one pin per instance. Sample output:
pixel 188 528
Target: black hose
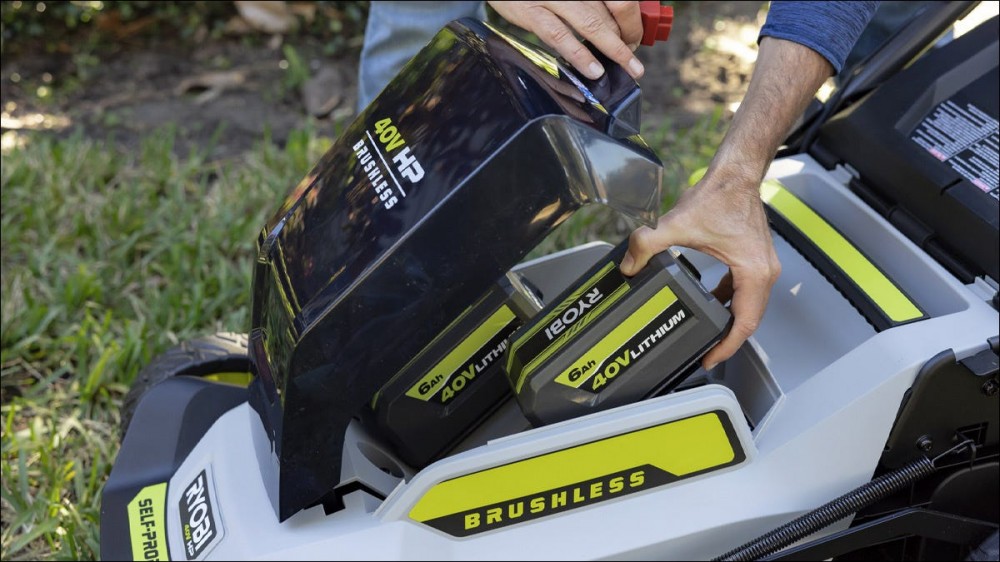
pixel 836 510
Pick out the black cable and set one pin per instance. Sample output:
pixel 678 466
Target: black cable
pixel 839 508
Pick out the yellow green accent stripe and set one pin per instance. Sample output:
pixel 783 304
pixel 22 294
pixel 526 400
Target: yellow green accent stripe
pixel 461 354
pixel 882 291
pixel 437 339
pixel 237 379
pixel 569 334
pixel 616 338
pixel 147 514
pixel 680 447
pixel 541 323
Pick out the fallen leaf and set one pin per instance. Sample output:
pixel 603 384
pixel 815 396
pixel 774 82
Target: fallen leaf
pixel 269 17
pixel 237 26
pixel 305 10
pixel 212 84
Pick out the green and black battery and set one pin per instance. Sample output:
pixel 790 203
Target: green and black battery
pixel 610 340
pixel 457 380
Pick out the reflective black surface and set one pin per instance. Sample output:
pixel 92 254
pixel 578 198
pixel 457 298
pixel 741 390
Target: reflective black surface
pixel 362 267
pixel 954 216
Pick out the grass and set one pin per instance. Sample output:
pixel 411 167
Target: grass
pixel 110 257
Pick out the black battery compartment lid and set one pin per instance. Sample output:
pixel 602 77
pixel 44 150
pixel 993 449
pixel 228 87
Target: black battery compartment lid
pixel 351 284
pixel 924 144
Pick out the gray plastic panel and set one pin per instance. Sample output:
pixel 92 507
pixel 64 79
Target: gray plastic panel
pixel 915 272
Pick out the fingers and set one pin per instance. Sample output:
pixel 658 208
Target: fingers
pixel 644 243
pixel 629 21
pixel 725 219
pixel 554 33
pixel 610 27
pixel 748 285
pixel 751 289
pixel 597 24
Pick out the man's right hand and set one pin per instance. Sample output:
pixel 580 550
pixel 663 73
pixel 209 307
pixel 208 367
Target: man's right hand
pixel 613 27
pixel 722 216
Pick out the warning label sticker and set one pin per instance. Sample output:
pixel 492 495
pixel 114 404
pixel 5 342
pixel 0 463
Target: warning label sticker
pixel 966 138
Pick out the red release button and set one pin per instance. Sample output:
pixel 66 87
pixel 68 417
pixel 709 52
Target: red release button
pixel 656 21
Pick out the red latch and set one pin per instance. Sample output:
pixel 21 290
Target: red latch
pixel 656 21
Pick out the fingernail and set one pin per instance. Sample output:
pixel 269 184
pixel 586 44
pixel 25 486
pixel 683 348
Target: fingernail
pixel 633 46
pixel 627 263
pixel 635 67
pixel 712 366
pixel 596 70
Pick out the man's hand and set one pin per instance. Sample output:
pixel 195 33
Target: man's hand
pixel 723 217
pixel 613 27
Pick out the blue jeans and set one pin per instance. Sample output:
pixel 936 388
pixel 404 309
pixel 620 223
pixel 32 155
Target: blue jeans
pixel 395 32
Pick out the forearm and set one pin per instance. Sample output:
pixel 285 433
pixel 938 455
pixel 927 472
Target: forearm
pixel 723 215
pixel 785 78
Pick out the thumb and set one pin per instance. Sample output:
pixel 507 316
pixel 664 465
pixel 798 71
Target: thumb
pixel 646 242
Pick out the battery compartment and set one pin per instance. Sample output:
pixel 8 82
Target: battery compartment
pixel 782 354
pixel 809 324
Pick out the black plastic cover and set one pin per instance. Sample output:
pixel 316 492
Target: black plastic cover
pixel 169 421
pixel 462 165
pixel 926 143
pixel 950 400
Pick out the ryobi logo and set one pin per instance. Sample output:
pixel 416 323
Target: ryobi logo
pixel 198 525
pixel 574 312
pixel 565 320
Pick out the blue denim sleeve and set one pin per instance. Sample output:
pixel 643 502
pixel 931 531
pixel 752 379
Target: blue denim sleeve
pixel 829 28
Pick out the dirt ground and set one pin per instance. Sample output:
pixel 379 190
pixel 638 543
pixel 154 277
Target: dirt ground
pixel 223 94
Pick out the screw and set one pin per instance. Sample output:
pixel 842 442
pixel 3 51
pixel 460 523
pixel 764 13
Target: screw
pixel 991 387
pixel 925 444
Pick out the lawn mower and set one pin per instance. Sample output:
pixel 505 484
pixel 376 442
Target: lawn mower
pixel 414 387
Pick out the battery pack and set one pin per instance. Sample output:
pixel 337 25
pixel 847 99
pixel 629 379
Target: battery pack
pixel 457 380
pixel 610 340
